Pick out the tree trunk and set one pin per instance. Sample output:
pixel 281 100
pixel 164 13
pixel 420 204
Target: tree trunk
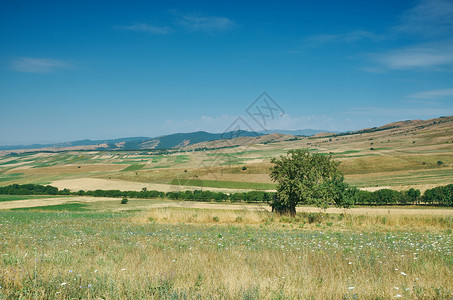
pixel 292 210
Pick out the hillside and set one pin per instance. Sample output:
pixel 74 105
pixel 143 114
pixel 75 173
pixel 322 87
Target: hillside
pixel 242 141
pixel 176 140
pixel 417 153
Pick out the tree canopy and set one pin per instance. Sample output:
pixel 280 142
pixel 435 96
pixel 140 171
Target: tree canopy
pixel 307 178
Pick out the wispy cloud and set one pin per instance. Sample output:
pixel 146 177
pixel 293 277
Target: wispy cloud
pixel 147 28
pixel 39 65
pixel 348 37
pixel 400 112
pixel 433 94
pixel 419 56
pixel 209 24
pixel 429 18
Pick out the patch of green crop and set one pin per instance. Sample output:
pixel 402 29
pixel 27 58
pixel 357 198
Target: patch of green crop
pixel 27 197
pixel 133 168
pixel 160 167
pixel 12 176
pixel 59 207
pixel 182 159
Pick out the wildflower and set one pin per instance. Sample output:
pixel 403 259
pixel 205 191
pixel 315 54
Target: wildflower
pixel 89 285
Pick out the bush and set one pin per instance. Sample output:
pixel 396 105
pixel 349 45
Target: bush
pixel 124 201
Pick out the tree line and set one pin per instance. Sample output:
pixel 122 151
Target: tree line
pixel 440 196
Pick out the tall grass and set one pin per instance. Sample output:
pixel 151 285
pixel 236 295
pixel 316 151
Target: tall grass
pixel 389 222
pixel 117 256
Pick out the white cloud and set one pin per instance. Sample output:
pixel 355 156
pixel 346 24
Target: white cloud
pixel 210 24
pixel 429 18
pixel 39 65
pixel 419 56
pixel 147 28
pixel 320 39
pixel 434 94
pixel 401 112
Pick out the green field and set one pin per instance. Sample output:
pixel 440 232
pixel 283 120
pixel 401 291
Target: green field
pixel 133 168
pixel 28 197
pixel 59 207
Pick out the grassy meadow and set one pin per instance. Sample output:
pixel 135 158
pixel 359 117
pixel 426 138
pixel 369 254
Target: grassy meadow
pixel 90 251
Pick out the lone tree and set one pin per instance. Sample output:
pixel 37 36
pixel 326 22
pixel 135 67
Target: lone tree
pixel 307 178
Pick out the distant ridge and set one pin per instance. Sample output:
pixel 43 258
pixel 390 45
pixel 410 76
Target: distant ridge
pixel 161 142
pixel 193 140
pixel 175 140
pixel 301 132
pixel 85 142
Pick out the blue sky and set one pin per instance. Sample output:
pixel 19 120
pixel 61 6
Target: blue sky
pixel 105 69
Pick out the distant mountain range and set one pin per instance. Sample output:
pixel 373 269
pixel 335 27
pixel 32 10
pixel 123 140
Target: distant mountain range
pixel 161 142
pixel 302 132
pixel 203 139
pixel 134 143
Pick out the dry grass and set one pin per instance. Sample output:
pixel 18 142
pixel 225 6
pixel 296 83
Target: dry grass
pixel 202 216
pixel 387 220
pixel 92 256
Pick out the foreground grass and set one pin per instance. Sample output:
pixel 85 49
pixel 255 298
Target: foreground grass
pixel 46 255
